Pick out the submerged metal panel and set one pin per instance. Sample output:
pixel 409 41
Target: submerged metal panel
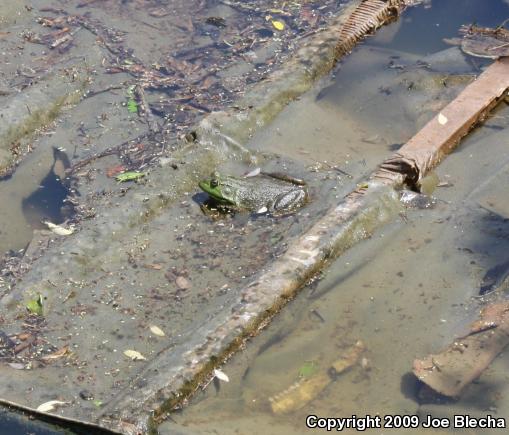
pixel 96 307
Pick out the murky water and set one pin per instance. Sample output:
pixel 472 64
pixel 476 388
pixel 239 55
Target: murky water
pixel 414 286
pixel 403 293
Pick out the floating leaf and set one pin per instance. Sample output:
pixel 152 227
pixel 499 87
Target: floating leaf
pixel 57 229
pixel 50 406
pixel 98 403
pixel 129 176
pixel 308 369
pixel 222 376
pixel 278 25
pixel 134 355
pixel 35 306
pixel 157 331
pixel 442 120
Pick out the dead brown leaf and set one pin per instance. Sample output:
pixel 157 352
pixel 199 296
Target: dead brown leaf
pixel 57 354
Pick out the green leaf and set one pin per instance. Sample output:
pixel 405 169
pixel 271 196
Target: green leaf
pixel 132 106
pixel 35 306
pixel 308 369
pixel 129 176
pixel 97 402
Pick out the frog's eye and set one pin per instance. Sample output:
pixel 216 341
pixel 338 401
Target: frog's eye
pixel 214 183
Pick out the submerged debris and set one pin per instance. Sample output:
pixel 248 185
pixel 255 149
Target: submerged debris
pixel 304 391
pixel 463 361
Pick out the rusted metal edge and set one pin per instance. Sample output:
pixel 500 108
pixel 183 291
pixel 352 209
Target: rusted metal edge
pixel 443 133
pixel 362 212
pixel 370 15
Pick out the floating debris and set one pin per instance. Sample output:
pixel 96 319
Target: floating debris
pixel 306 390
pixel 278 25
pixel 157 331
pixel 64 351
pixel 221 375
pixel 59 230
pixel 51 405
pixel 134 355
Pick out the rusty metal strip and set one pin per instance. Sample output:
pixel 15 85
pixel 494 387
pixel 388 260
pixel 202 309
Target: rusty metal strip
pixel 369 15
pixel 443 133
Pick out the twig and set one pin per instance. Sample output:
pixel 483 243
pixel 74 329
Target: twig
pixel 107 152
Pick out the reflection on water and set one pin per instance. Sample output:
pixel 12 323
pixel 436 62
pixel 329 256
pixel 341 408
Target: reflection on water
pixel 346 345
pixel 36 192
pixel 47 201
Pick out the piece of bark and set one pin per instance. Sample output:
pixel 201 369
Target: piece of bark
pixel 463 361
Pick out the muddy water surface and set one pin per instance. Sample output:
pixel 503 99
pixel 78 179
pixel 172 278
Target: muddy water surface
pixel 415 285
pixel 403 293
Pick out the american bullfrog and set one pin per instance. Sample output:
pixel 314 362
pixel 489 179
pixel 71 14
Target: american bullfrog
pixel 264 193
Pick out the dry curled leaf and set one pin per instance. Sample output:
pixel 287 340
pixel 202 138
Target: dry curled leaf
pixel 157 331
pixel 222 376
pixel 56 355
pixel 57 229
pixel 134 355
pixel 50 406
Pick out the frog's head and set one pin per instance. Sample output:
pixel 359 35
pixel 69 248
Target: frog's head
pixel 220 188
